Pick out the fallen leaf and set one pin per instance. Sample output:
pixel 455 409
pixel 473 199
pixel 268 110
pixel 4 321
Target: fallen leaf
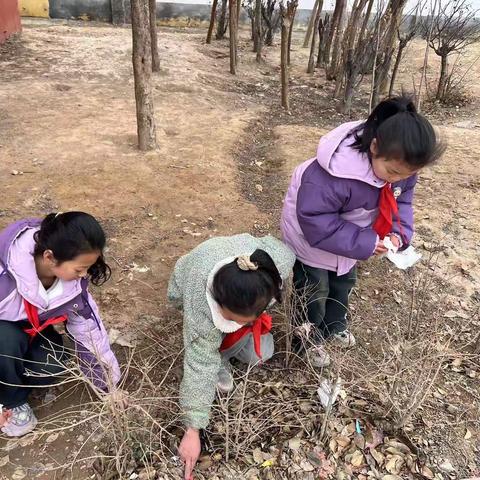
pixel 455 314
pixel 379 457
pixel 359 441
pixel 426 472
pixel 357 458
pixel 116 337
pixel 394 464
pixel 4 460
pixel 294 443
pixel 147 473
pixel 257 456
pixel 391 477
pixel 259 188
pixel 446 467
pixel 342 441
pixel 51 438
pixel 468 434
pixel 306 466
pixel 19 474
pixel 204 462
pixel 268 463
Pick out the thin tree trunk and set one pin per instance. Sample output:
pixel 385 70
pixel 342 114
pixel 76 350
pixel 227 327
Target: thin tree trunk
pixel 153 33
pixel 233 36
pixel 442 82
pixel 258 29
pixel 221 27
pixel 313 46
pixel 290 33
pixel 334 27
pixel 284 61
pixel 389 23
pixel 142 71
pixel 237 20
pixel 311 23
pixel 398 59
pixel 212 21
pixel 337 41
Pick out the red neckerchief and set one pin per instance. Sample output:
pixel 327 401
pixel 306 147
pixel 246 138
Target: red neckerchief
pixel 387 208
pixel 261 326
pixel 32 315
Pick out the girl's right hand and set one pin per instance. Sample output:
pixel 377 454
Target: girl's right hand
pixel 189 451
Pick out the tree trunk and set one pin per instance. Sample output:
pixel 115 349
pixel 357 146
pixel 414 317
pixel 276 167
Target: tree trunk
pixel 398 59
pixel 334 26
pixel 337 39
pixel 153 33
pixel 233 36
pixel 258 29
pixel 142 71
pixel 212 21
pixel 311 23
pixel 290 33
pixel 388 24
pixel 237 20
pixel 284 61
pixel 221 27
pixel 442 81
pixel 313 46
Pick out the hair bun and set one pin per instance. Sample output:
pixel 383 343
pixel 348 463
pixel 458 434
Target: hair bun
pixel 244 263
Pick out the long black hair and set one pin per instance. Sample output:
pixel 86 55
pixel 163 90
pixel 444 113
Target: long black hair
pixel 248 293
pixel 401 133
pixel 70 234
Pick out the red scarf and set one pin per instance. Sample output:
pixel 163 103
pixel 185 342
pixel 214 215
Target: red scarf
pixel 261 326
pixel 32 315
pixel 387 207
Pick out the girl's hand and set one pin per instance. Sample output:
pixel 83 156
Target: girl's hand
pixel 189 451
pixel 380 249
pixel 4 416
pixel 118 398
pixel 395 241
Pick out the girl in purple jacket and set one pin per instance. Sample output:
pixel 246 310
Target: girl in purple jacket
pixel 45 267
pixel 342 204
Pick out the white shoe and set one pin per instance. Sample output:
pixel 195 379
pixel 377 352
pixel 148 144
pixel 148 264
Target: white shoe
pixel 344 339
pixel 225 378
pixel 318 356
pixel 20 421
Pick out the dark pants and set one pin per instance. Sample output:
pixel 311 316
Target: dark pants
pixel 322 298
pixel 19 356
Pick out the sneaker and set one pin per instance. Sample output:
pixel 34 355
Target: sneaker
pixel 20 421
pixel 344 339
pixel 225 378
pixel 318 356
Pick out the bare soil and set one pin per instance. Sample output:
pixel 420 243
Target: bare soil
pixel 226 151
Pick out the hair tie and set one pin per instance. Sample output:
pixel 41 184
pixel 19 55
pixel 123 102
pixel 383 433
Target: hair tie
pixel 244 263
pixel 58 214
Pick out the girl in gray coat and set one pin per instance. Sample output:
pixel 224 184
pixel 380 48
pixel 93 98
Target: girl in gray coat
pixel 224 286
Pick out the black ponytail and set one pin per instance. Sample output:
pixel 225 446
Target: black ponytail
pixel 248 293
pixel 401 133
pixel 70 234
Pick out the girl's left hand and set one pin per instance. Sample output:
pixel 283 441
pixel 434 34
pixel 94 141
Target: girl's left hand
pixel 4 416
pixel 118 397
pixel 380 249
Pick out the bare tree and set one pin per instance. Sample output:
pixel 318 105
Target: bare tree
pixel 233 35
pixel 258 29
pixel 334 34
pixel 222 24
pixel 272 19
pixel 405 35
pixel 142 71
pixel 454 28
pixel 290 33
pixel 313 46
pixel 311 23
pixel 153 33
pixel 212 21
pixel 323 29
pixel 387 30
pixel 287 14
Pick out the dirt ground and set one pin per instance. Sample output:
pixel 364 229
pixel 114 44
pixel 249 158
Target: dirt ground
pixel 226 150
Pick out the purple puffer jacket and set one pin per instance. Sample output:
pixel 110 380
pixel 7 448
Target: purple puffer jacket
pixel 332 203
pixel 19 281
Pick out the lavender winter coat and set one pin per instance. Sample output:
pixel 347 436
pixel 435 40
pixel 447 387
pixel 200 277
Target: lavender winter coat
pixel 19 281
pixel 332 203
